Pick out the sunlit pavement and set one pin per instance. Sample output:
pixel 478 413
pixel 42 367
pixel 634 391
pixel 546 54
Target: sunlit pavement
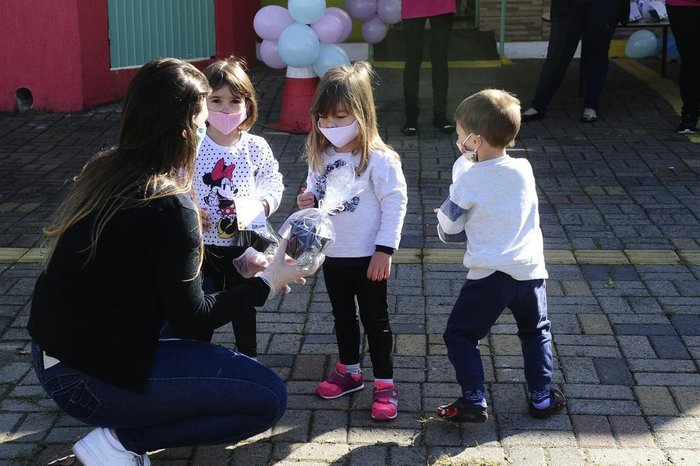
pixel 620 208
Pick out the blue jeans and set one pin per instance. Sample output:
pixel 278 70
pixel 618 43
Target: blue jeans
pixel 478 305
pixel 197 394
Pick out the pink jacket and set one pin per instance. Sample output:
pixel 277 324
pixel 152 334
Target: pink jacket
pixel 425 8
pixel 682 2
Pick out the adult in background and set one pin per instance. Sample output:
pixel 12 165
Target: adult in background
pixel 593 22
pixel 123 255
pixel 414 14
pixel 684 16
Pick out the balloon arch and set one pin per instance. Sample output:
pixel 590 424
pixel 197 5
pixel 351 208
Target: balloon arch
pixel 307 33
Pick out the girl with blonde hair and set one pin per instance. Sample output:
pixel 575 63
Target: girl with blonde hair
pixel 368 228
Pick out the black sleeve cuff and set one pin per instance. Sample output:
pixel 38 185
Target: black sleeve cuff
pixel 384 249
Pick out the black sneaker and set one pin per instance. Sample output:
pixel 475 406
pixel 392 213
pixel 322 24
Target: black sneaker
pixel 444 125
pixel 462 411
pixel 557 402
pixel 688 125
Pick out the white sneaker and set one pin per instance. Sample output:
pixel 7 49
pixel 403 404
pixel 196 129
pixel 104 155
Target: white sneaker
pixel 95 450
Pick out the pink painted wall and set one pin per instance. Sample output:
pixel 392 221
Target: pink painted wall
pixel 59 50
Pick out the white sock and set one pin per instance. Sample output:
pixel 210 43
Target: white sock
pixel 353 369
pixel 113 440
pixel 530 111
pixel 542 404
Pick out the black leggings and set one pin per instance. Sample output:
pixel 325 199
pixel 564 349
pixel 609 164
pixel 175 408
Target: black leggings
pixel 344 283
pixel 219 274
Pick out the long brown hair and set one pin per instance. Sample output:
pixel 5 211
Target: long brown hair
pixel 350 88
pixel 151 159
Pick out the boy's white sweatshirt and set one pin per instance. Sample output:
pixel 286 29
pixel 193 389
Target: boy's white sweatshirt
pixel 494 203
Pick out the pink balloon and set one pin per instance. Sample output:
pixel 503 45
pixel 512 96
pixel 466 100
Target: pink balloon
pixel 374 30
pixel 328 29
pixel 361 9
pixel 389 11
pixel 344 18
pixel 270 55
pixel 270 21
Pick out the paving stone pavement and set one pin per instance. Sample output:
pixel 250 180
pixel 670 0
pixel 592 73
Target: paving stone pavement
pixel 620 211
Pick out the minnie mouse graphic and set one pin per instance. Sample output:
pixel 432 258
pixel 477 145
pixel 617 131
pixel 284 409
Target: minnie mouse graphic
pixel 221 196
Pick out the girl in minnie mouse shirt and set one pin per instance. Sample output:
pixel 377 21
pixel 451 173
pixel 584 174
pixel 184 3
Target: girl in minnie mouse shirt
pixel 232 165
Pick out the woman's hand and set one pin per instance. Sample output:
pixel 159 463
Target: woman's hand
pixel 306 200
pixel 250 262
pixel 379 267
pixel 282 270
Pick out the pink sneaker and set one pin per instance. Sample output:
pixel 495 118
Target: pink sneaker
pixel 385 404
pixel 339 383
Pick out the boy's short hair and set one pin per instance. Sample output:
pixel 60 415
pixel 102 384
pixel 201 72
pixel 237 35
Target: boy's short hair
pixel 493 114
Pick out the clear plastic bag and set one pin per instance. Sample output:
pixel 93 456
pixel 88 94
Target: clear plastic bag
pixel 310 232
pixel 251 228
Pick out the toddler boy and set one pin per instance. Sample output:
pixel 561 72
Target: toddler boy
pixel 493 207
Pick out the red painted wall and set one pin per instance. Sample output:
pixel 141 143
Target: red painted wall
pixel 60 50
pixel 39 47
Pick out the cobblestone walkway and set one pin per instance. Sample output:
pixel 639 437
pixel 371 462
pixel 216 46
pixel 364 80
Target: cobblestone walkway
pixel 620 210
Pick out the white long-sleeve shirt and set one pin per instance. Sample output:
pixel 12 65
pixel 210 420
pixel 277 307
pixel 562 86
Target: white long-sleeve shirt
pixel 494 204
pixel 375 214
pixel 245 170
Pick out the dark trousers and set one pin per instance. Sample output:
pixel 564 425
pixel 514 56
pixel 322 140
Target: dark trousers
pixel 344 283
pixel 685 24
pixel 478 305
pixel 594 24
pixel 218 274
pixel 440 29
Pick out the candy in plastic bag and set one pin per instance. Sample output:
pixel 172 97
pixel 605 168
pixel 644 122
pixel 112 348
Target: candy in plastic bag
pixel 310 231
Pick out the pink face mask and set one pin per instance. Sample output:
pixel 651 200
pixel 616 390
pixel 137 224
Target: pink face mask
pixel 341 135
pixel 226 122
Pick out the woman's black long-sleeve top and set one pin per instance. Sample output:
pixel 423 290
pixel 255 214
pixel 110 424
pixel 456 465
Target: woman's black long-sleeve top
pixel 104 317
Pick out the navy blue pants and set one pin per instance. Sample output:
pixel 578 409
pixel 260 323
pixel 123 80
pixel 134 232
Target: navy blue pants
pixel 478 305
pixel 592 22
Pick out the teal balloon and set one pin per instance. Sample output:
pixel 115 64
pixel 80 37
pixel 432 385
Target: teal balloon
pixel 329 57
pixel 298 45
pixel 641 44
pixel 307 11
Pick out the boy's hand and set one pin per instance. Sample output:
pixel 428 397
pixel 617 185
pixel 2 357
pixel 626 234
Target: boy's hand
pixel 206 219
pixel 379 267
pixel 305 200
